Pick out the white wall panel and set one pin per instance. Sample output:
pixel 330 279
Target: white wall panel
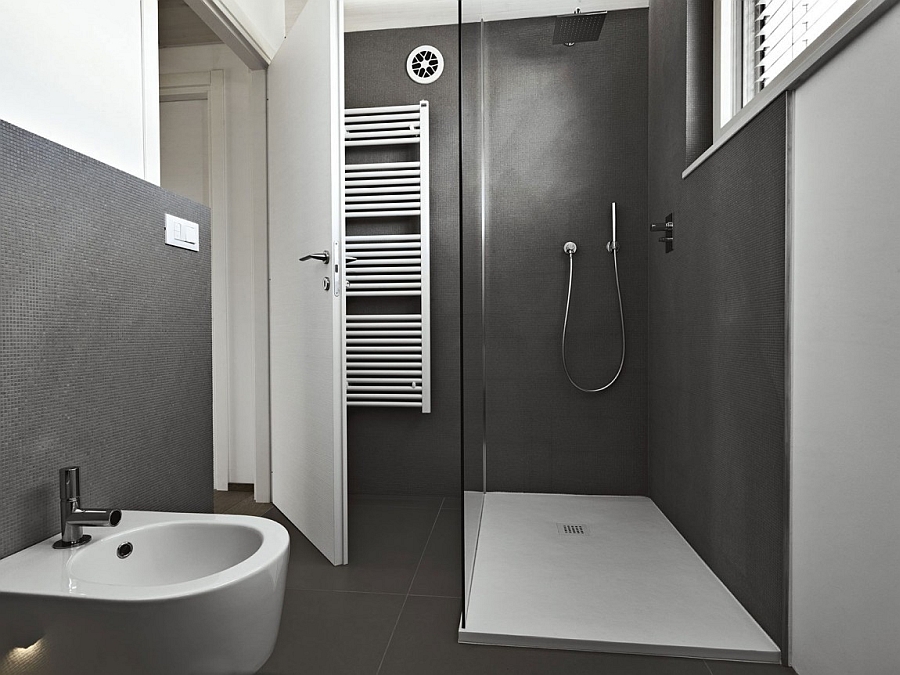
pixel 845 324
pixel 265 16
pixel 73 72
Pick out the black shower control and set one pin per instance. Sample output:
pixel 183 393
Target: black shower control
pixel 669 228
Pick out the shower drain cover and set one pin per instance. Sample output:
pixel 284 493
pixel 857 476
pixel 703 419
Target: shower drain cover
pixel 424 64
pixel 569 528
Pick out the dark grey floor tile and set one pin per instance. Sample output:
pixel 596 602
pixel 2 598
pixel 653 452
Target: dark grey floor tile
pixel 732 668
pixel 440 572
pixel 249 507
pixel 425 641
pixel 332 633
pixel 400 501
pixel 224 500
pixel 386 544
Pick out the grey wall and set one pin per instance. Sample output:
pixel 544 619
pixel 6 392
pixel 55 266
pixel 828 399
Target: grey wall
pixel 105 355
pixel 717 340
pixel 567 131
pixel 565 135
pixel 395 450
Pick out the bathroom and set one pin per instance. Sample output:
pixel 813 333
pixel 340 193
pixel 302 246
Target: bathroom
pixel 753 414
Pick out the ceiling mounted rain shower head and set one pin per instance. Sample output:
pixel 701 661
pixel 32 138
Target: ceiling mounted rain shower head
pixel 578 27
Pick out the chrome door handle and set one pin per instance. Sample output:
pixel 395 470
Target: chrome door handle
pixel 324 256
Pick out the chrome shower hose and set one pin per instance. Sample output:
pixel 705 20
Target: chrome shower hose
pixel 566 323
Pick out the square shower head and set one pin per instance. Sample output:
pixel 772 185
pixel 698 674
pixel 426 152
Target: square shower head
pixel 578 27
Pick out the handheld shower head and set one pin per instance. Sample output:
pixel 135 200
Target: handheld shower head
pixel 570 247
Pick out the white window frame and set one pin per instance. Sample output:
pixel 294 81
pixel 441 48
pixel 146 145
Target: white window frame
pixel 727 63
pixel 727 56
pixel 734 54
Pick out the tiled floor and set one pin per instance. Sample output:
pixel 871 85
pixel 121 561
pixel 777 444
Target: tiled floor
pixel 395 608
pixel 238 502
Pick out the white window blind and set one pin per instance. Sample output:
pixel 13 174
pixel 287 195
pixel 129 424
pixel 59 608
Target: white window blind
pixel 776 31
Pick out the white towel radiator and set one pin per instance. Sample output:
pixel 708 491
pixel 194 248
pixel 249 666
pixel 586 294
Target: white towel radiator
pixel 388 356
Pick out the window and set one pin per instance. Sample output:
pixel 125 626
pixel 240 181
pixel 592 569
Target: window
pixel 757 39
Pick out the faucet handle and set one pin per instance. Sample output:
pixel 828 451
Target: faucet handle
pixel 69 484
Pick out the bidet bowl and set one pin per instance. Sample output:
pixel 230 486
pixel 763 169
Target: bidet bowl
pixel 163 593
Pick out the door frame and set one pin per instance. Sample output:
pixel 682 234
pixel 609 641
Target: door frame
pixel 235 29
pixel 150 87
pixel 209 86
pixel 340 333
pixel 259 194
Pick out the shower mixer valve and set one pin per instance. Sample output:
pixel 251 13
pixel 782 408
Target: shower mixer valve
pixel 669 228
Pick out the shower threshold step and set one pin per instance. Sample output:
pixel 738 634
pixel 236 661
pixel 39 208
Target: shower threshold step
pixel 629 584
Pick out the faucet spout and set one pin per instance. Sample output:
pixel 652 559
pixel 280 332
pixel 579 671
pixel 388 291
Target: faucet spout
pixel 94 517
pixel 72 517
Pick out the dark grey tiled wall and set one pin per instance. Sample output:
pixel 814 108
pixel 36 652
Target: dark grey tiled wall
pixel 566 135
pixel 717 336
pixel 105 354
pixel 395 450
pixel 699 78
pixel 567 130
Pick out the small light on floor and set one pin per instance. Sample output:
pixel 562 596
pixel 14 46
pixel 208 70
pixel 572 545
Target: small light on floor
pixel 23 651
pixel 22 659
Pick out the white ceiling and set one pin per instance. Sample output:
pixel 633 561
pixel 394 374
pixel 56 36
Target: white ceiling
pixel 180 26
pixel 382 14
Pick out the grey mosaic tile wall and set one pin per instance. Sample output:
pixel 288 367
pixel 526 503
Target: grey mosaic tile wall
pixel 396 450
pixel 563 146
pixel 717 357
pixel 566 135
pixel 105 348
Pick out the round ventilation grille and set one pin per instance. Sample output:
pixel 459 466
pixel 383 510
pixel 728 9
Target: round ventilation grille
pixel 424 64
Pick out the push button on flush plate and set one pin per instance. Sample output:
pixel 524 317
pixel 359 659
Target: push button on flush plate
pixel 182 233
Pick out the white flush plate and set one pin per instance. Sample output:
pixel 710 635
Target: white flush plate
pixel 182 233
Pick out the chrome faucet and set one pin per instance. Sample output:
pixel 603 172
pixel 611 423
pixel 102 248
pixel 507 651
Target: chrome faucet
pixel 72 517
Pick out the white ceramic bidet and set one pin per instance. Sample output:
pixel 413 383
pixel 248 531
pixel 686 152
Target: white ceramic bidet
pixel 161 594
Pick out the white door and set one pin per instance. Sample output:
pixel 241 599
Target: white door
pixel 305 83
